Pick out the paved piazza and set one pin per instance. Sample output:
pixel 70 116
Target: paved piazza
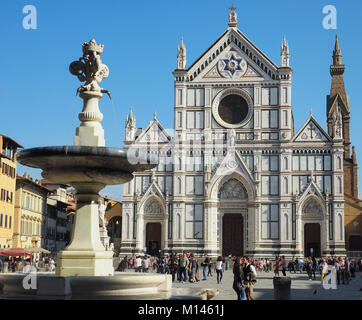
pixel 301 287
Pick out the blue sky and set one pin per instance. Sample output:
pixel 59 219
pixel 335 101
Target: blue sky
pixel 39 106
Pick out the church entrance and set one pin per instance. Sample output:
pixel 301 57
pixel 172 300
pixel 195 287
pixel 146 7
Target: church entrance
pixel 312 240
pixel 153 238
pixel 233 233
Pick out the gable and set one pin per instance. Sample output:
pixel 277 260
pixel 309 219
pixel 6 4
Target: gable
pixel 214 63
pixel 311 131
pixel 153 133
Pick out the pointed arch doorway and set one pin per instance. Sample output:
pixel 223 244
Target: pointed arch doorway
pixel 153 238
pixel 312 240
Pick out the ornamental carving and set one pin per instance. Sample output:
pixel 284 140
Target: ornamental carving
pixel 233 190
pixel 152 206
pixel 312 207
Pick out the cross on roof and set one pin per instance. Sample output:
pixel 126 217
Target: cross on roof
pixel 232 8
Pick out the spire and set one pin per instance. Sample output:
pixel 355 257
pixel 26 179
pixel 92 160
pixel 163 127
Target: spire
pixel 284 53
pixel 337 54
pixel 233 17
pixel 130 126
pixel 181 55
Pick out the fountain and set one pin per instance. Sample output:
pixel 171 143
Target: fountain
pixel 85 269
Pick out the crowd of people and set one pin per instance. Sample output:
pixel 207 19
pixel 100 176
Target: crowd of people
pixel 17 264
pixel 190 267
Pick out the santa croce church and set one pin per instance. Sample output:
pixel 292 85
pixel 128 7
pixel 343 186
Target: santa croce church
pixel 236 177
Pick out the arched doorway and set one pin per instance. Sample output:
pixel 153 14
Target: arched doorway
pixel 153 238
pixel 232 194
pixel 312 240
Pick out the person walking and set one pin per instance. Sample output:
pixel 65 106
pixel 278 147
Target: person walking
pixel 309 266
pixel 276 267
pixel 249 279
pixel 283 264
pixel 219 269
pixel 172 266
pixel 209 273
pixel 145 264
pixel 238 284
pixel 205 266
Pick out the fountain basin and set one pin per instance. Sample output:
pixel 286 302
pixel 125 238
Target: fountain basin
pixel 81 164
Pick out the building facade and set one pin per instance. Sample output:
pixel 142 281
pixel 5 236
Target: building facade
pixel 56 218
pixel 8 149
pixel 235 177
pixel 30 213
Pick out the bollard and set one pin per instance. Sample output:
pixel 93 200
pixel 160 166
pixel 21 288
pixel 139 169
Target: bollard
pixel 282 288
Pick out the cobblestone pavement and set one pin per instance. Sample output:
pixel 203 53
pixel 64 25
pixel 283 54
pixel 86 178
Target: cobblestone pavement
pixel 301 287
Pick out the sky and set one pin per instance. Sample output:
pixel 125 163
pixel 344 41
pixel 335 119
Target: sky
pixel 39 107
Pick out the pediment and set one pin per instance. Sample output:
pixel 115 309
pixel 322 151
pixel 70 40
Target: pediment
pixel 232 57
pixel 153 133
pixel 338 102
pixel 311 131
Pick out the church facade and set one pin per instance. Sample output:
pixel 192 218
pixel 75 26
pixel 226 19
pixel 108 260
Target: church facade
pixel 235 177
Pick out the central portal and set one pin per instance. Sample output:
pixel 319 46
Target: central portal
pixel 233 235
pixel 312 240
pixel 153 238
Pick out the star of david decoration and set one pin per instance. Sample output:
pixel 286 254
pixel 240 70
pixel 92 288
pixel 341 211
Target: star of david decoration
pixel 232 65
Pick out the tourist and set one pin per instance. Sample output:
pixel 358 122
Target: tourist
pixel 283 264
pixel 315 266
pixel 192 268
pixel 122 267
pixel 346 274
pixel 172 266
pixel 138 264
pixel 238 285
pixel 209 273
pixel 183 267
pixel 51 264
pixel 145 264
pixel 352 268
pixel 276 267
pixel 249 279
pixel 324 270
pixel 219 269
pixel 309 267
pixel 205 266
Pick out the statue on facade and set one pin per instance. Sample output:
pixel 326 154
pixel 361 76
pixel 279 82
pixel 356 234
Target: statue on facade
pixel 89 68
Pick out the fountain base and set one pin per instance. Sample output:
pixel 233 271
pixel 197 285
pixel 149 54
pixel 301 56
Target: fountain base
pixel 121 286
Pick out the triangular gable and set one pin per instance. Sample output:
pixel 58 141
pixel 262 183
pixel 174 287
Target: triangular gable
pixel 154 133
pixel 338 102
pixel 311 131
pixel 231 163
pixel 311 189
pixel 153 190
pixel 210 64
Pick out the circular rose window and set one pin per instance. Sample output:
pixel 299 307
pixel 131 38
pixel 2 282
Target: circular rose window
pixel 233 109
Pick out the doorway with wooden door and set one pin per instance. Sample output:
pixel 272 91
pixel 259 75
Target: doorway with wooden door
pixel 233 235
pixel 153 238
pixel 312 240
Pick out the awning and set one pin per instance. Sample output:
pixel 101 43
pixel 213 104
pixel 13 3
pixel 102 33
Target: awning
pixel 14 252
pixel 37 250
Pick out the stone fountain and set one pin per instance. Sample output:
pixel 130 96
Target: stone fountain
pixel 85 269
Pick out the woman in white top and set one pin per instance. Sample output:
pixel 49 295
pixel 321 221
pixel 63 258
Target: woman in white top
pixel 219 269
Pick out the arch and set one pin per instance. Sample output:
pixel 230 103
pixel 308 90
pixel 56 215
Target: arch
pixel 232 189
pixel 153 206
pixel 219 181
pixel 312 206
